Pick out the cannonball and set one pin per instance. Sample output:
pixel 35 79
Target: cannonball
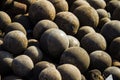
pixel 69 72
pixel 93 41
pixel 100 60
pixel 111 30
pixel 22 65
pixel 50 74
pixel 6 59
pixel 97 4
pixel 114 48
pixel 15 42
pixel 4 19
pixel 42 26
pixel 54 42
pixel 78 3
pixel 34 53
pixel 102 22
pixel 83 31
pixel 41 9
pixel 68 22
pixel 60 5
pixel 87 16
pixel 41 66
pixel 15 26
pixel 76 56
pixel 73 41
pixel 102 13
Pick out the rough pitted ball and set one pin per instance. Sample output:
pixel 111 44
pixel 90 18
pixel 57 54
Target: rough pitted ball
pixel 100 60
pixel 15 26
pixel 41 9
pixel 111 30
pixel 4 20
pixel 97 4
pixel 69 72
pixel 42 26
pixel 34 53
pixel 50 74
pixel 15 42
pixel 102 22
pixel 22 65
pixel 102 13
pixel 54 42
pixel 6 59
pixel 68 22
pixel 76 56
pixel 60 5
pixel 41 66
pixel 93 41
pixel 114 48
pixel 73 41
pixel 83 31
pixel 114 71
pixel 78 3
pixel 87 16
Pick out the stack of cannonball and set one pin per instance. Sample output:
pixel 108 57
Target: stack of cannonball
pixel 59 39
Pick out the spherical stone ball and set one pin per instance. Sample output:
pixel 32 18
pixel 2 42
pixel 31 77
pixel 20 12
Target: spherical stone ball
pixel 114 48
pixel 93 41
pixel 41 9
pixel 4 19
pixel 41 66
pixel 76 56
pixel 69 72
pixel 42 26
pixel 34 53
pixel 68 22
pixel 87 16
pixel 100 60
pixel 111 30
pixel 15 26
pixel 15 42
pixel 83 31
pixel 6 59
pixel 22 65
pixel 60 5
pixel 102 13
pixel 73 41
pixel 78 3
pixel 54 42
pixel 97 4
pixel 50 74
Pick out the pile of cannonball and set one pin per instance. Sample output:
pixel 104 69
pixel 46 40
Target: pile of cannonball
pixel 59 39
